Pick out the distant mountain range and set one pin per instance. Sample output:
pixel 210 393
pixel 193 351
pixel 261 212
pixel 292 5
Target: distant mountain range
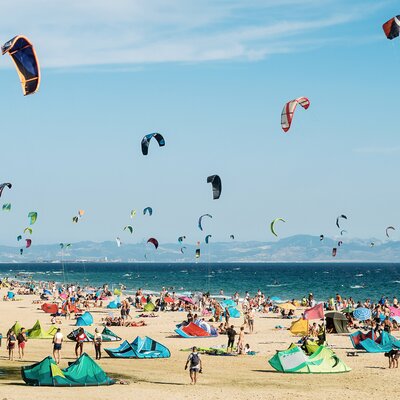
pixel 299 248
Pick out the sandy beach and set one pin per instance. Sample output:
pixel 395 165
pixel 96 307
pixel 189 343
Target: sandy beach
pixel 241 377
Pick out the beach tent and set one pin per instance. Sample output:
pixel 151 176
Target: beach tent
pixel 139 348
pixel 299 327
pixel 194 331
pixel 227 303
pixel 115 303
pixel 83 372
pixel 383 344
pixel 357 337
pixel 37 332
pixel 50 308
pixel 149 307
pixel 294 360
pixel 84 320
pixel 16 328
pixel 107 335
pixel 233 312
pixel 336 322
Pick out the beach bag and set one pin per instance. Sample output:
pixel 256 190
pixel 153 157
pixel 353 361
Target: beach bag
pixel 195 360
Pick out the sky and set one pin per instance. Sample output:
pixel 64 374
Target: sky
pixel 212 77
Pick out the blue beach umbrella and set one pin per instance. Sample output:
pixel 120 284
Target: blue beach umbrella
pixel 276 299
pixel 362 314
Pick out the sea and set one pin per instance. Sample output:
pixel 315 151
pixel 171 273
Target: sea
pixel 283 280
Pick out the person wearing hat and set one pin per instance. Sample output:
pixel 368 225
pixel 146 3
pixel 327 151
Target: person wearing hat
pixel 97 339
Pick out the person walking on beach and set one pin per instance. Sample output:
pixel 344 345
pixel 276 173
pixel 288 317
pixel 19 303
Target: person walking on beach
pixel 21 339
pixel 195 365
pixel 57 343
pixel 97 340
pixel 11 340
pixel 231 338
pixel 80 338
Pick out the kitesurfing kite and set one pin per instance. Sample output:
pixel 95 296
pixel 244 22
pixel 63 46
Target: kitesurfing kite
pixel 197 253
pixel 65 246
pixel 129 228
pixel 184 247
pixel 180 238
pixel 289 109
pixel 19 237
pixel 133 213
pixel 334 251
pixel 28 243
pixel 3 185
pixel 273 225
pixel 339 243
pixel 118 241
pixel 24 56
pixel 7 207
pixel 389 228
pixel 28 230
pixel 154 242
pixel 207 238
pixel 232 237
pixel 146 141
pixel 392 27
pixel 32 217
pixel 342 232
pixel 321 237
pixel 201 219
pixel 75 220
pixel 148 210
pixel 216 183
pixel 21 251
pixel 338 218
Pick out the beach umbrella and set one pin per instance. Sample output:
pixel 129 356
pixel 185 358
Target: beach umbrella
pixel 186 299
pixel 168 300
pixel 287 306
pixel 362 313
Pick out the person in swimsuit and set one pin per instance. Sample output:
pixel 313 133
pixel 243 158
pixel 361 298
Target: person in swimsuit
pixel 11 340
pixel 80 338
pixel 97 343
pixel 195 365
pixel 57 343
pixel 21 339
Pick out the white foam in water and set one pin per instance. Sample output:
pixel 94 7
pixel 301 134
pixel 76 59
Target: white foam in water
pixel 360 275
pixel 357 287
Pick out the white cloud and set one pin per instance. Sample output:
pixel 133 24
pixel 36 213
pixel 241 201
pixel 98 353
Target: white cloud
pixel 84 33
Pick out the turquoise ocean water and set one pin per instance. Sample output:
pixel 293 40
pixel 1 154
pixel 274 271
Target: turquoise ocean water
pixel 285 280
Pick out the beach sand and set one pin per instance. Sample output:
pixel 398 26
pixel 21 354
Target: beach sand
pixel 242 377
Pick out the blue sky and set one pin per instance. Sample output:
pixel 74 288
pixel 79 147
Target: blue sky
pixel 212 77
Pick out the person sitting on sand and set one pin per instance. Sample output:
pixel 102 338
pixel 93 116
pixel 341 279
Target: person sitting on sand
pixel 221 329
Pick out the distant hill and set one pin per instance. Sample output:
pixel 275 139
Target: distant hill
pixel 295 248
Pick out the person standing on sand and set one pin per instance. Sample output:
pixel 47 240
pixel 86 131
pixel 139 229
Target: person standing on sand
pixel 250 319
pixel 97 340
pixel 57 343
pixel 231 337
pixel 195 365
pixel 240 344
pixel 11 339
pixel 80 338
pixel 21 339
